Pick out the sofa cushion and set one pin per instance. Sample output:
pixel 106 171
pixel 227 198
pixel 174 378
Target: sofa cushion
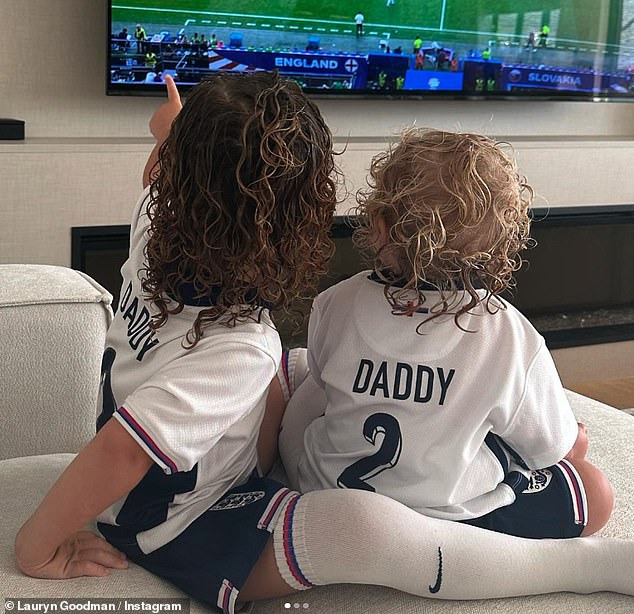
pixel 53 323
pixel 24 481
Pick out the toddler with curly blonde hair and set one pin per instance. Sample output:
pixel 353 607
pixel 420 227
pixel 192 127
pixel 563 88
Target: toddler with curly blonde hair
pixel 448 209
pixel 438 392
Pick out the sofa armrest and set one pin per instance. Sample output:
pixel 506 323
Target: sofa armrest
pixel 53 322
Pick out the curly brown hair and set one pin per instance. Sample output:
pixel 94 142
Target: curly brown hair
pixel 456 210
pixel 242 202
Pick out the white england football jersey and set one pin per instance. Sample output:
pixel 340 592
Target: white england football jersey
pixel 195 412
pixel 431 420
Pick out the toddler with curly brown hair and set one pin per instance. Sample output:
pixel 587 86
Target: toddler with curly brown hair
pixel 233 222
pixel 438 392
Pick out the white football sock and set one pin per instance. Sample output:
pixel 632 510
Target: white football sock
pixel 292 371
pixel 354 536
pixel 307 403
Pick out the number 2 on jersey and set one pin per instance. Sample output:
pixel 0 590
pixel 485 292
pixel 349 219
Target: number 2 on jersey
pixel 385 458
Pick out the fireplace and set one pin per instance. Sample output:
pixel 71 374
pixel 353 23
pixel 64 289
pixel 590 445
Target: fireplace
pixel 100 251
pixel 577 289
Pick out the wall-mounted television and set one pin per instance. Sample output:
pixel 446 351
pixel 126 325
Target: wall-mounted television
pixel 548 49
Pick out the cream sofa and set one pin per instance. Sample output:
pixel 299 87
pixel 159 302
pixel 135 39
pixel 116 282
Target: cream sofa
pixel 52 326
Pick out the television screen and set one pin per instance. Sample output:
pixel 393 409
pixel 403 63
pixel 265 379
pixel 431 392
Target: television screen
pixel 572 49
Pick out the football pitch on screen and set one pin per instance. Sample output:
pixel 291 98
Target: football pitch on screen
pixel 572 24
pixel 448 19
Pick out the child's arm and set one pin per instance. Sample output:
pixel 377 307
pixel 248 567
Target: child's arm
pixel 160 125
pixel 542 429
pixel 580 449
pixel 51 543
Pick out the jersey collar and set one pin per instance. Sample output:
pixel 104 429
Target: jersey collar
pixel 399 282
pixel 191 296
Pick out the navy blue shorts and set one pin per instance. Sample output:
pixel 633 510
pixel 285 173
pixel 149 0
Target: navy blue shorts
pixel 212 559
pixel 551 504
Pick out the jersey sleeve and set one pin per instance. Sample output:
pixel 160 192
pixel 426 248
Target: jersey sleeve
pixel 139 221
pixel 186 407
pixel 543 429
pixel 315 343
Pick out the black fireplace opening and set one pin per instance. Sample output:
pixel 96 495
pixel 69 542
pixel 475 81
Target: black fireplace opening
pixel 100 251
pixel 577 287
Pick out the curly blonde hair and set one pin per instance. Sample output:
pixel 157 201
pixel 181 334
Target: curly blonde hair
pixel 242 202
pixel 456 210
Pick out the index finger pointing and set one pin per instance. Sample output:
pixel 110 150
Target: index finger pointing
pixel 172 90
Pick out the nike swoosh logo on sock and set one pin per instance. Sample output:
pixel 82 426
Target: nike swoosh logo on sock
pixel 436 587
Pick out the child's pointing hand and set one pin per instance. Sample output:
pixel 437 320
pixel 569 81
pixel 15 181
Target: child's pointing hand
pixel 161 121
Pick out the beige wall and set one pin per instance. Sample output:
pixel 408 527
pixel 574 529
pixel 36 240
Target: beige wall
pixel 52 70
pixel 82 160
